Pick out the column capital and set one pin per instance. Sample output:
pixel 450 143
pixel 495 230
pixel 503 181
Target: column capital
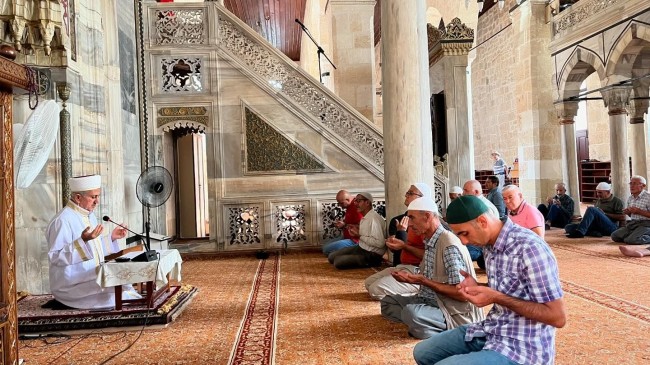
pixel 617 99
pixel 638 108
pixel 566 111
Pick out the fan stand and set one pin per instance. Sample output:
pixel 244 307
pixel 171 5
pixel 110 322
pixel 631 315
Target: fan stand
pixel 149 254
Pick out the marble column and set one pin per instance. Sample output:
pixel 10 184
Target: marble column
pixel 407 122
pixel 617 101
pixel 353 41
pixel 63 90
pixel 638 108
pixel 540 159
pixel 566 111
pixel 450 49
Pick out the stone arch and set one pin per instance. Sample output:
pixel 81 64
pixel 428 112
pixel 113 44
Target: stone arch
pixel 578 67
pixel 629 51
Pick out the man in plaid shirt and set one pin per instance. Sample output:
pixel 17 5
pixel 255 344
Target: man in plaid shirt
pixel 523 287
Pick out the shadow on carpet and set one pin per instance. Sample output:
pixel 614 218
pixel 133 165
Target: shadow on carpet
pixel 34 319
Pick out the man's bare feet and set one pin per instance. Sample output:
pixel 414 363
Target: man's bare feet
pixel 634 252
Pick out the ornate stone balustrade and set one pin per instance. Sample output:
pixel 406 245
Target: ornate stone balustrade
pixel 580 14
pixel 279 72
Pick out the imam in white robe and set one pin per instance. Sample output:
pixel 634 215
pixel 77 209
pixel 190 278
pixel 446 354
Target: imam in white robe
pixel 74 263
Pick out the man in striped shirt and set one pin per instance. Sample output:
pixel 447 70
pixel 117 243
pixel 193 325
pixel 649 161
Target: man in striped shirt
pixel 523 287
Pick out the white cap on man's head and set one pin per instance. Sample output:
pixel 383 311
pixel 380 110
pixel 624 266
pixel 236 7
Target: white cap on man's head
pixel 424 188
pixel 85 183
pixel 604 186
pixel 496 153
pixel 425 203
pixel 456 190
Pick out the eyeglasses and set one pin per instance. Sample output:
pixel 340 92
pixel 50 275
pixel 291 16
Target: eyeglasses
pixel 410 193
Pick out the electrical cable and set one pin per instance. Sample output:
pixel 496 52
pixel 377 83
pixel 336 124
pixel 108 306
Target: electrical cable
pixel 146 319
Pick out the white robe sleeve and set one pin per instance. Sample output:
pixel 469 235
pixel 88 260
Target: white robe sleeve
pixel 66 248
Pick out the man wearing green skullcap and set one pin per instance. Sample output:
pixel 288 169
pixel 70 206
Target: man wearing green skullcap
pixel 523 287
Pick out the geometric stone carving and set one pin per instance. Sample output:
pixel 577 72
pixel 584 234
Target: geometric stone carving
pixel 267 150
pixel 244 225
pixel 290 223
pixel 329 213
pixel 194 117
pixel 179 26
pixel 181 74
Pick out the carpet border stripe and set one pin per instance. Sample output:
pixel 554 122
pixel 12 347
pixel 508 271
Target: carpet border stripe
pixel 261 315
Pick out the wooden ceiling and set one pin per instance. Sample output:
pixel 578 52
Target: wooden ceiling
pixel 274 20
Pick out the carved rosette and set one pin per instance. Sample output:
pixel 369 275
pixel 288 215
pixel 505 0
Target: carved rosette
pixel 617 99
pixel 355 131
pixel 566 111
pixel 578 13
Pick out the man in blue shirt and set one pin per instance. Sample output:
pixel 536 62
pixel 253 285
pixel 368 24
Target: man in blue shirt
pixel 523 287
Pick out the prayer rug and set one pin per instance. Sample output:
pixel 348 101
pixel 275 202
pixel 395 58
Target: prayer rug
pixel 34 319
pixel 255 343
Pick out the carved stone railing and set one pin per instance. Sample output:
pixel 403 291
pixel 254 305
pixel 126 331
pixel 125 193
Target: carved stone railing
pixel 36 30
pixel 241 42
pixel 580 13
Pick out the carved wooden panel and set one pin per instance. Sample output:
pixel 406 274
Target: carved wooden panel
pixel 9 326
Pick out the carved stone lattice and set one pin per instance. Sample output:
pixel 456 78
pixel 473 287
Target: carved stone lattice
pixel 290 224
pixel 267 150
pixel 244 225
pixel 330 212
pixel 380 207
pixel 182 75
pixel 179 26
pixel 440 194
pixel 578 13
pixel 295 86
pixel 196 118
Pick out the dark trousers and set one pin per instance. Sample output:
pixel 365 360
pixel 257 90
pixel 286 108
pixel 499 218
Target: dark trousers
pixel 594 220
pixel 353 257
pixel 554 214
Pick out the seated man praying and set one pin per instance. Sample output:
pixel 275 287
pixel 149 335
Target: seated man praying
pixel 77 248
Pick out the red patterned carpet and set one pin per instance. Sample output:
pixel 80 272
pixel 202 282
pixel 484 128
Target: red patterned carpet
pixel 297 309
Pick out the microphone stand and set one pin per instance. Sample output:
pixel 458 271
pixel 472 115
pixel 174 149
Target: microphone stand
pixel 318 52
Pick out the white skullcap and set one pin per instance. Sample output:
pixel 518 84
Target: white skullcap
pixel 367 196
pixel 496 153
pixel 456 190
pixel 85 183
pixel 424 188
pixel 604 186
pixel 425 203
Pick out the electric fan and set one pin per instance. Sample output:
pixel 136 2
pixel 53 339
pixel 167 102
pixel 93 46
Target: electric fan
pixel 33 142
pixel 153 188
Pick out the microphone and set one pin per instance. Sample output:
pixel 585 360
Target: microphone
pixel 108 219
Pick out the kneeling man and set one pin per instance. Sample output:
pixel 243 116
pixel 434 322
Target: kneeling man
pixel 77 248
pixel 438 306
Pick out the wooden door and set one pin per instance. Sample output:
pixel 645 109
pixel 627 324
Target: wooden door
pixel 582 151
